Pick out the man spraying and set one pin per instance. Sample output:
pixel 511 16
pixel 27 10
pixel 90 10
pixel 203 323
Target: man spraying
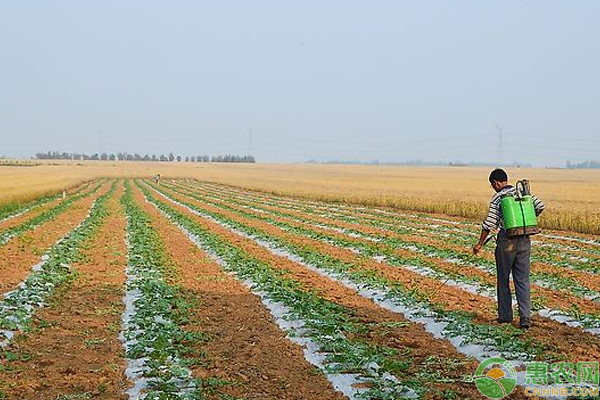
pixel 511 212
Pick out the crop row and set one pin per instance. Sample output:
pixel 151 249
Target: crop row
pixel 152 334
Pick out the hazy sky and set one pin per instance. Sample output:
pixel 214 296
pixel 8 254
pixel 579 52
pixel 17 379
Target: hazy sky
pixel 298 80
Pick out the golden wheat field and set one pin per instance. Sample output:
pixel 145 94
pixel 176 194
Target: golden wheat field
pixel 572 196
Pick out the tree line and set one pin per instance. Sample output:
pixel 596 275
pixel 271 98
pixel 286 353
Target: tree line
pixel 584 165
pixel 55 155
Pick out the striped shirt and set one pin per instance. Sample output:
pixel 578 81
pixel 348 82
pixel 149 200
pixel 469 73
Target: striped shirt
pixel 494 219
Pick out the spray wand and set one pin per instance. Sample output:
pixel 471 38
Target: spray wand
pixel 457 268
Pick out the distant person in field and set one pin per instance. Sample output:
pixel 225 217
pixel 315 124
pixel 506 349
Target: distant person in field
pixel 513 254
pixel 157 179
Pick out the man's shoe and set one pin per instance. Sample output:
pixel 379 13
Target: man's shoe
pixel 503 321
pixel 525 323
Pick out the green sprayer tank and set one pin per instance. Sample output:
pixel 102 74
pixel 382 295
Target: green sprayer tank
pixel 518 211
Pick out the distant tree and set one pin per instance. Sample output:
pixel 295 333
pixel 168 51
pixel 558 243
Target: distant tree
pixel 230 158
pixel 589 164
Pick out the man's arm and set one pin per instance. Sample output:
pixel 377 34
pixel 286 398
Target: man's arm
pixel 484 234
pixel 491 222
pixel 538 205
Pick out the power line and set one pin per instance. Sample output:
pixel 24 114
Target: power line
pixel 561 139
pixel 337 141
pixel 500 144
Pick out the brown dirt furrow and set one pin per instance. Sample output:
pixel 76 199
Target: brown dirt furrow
pixel 582 246
pixel 551 298
pixel 73 348
pixel 246 345
pixel 21 253
pixel 410 338
pixel 561 339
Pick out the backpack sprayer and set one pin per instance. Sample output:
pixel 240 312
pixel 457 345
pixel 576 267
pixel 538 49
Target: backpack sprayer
pixel 518 211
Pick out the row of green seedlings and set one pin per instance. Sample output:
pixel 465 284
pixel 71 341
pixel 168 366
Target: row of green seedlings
pixel 324 328
pixel 157 347
pixel 16 209
pixel 564 256
pixel 583 259
pixel 45 216
pixel 18 305
pixel 382 251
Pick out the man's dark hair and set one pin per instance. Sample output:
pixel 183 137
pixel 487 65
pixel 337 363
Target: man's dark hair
pixel 498 175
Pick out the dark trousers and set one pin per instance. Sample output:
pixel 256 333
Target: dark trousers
pixel 513 255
